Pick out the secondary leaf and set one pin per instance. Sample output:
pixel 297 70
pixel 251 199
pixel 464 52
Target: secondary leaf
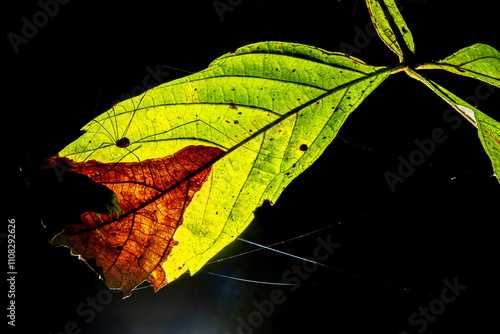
pixel 488 128
pixel 190 160
pixel 381 20
pixel 479 61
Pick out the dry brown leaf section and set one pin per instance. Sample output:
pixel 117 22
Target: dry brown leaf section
pixel 153 196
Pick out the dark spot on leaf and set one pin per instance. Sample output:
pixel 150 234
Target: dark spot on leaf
pixel 124 142
pixel 460 70
pixel 97 175
pixel 176 243
pixel 404 30
pixel 303 147
pixel 293 70
pixel 288 173
pixel 118 248
pixel 236 122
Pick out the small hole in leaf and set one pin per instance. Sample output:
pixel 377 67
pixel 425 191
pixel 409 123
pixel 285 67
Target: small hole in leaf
pixel 303 147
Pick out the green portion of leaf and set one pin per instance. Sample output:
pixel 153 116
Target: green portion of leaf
pixel 273 108
pixel 454 101
pixel 381 21
pixel 488 128
pixel 478 61
pixel 489 134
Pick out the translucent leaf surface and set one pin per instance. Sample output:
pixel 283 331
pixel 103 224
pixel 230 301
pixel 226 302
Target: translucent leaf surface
pixel 190 160
pixel 381 20
pixel 479 61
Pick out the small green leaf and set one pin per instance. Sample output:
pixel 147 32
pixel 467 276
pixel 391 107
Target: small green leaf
pixel 488 128
pixel 478 61
pixel 381 21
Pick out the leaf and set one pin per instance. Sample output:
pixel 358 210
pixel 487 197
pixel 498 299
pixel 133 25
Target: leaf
pixel 191 159
pixel 489 134
pixel 488 128
pixel 382 24
pixel 478 61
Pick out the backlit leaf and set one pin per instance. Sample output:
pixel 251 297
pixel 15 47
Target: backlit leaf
pixel 488 128
pixel 479 61
pixel 191 159
pixel 381 20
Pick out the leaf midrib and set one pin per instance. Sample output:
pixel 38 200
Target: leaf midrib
pixel 243 142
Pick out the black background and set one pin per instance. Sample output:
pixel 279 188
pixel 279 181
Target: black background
pixel 397 247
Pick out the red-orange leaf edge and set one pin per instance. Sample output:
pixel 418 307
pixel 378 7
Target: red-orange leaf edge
pixel 153 195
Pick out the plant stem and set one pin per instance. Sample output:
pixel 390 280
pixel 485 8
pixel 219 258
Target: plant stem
pixel 413 74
